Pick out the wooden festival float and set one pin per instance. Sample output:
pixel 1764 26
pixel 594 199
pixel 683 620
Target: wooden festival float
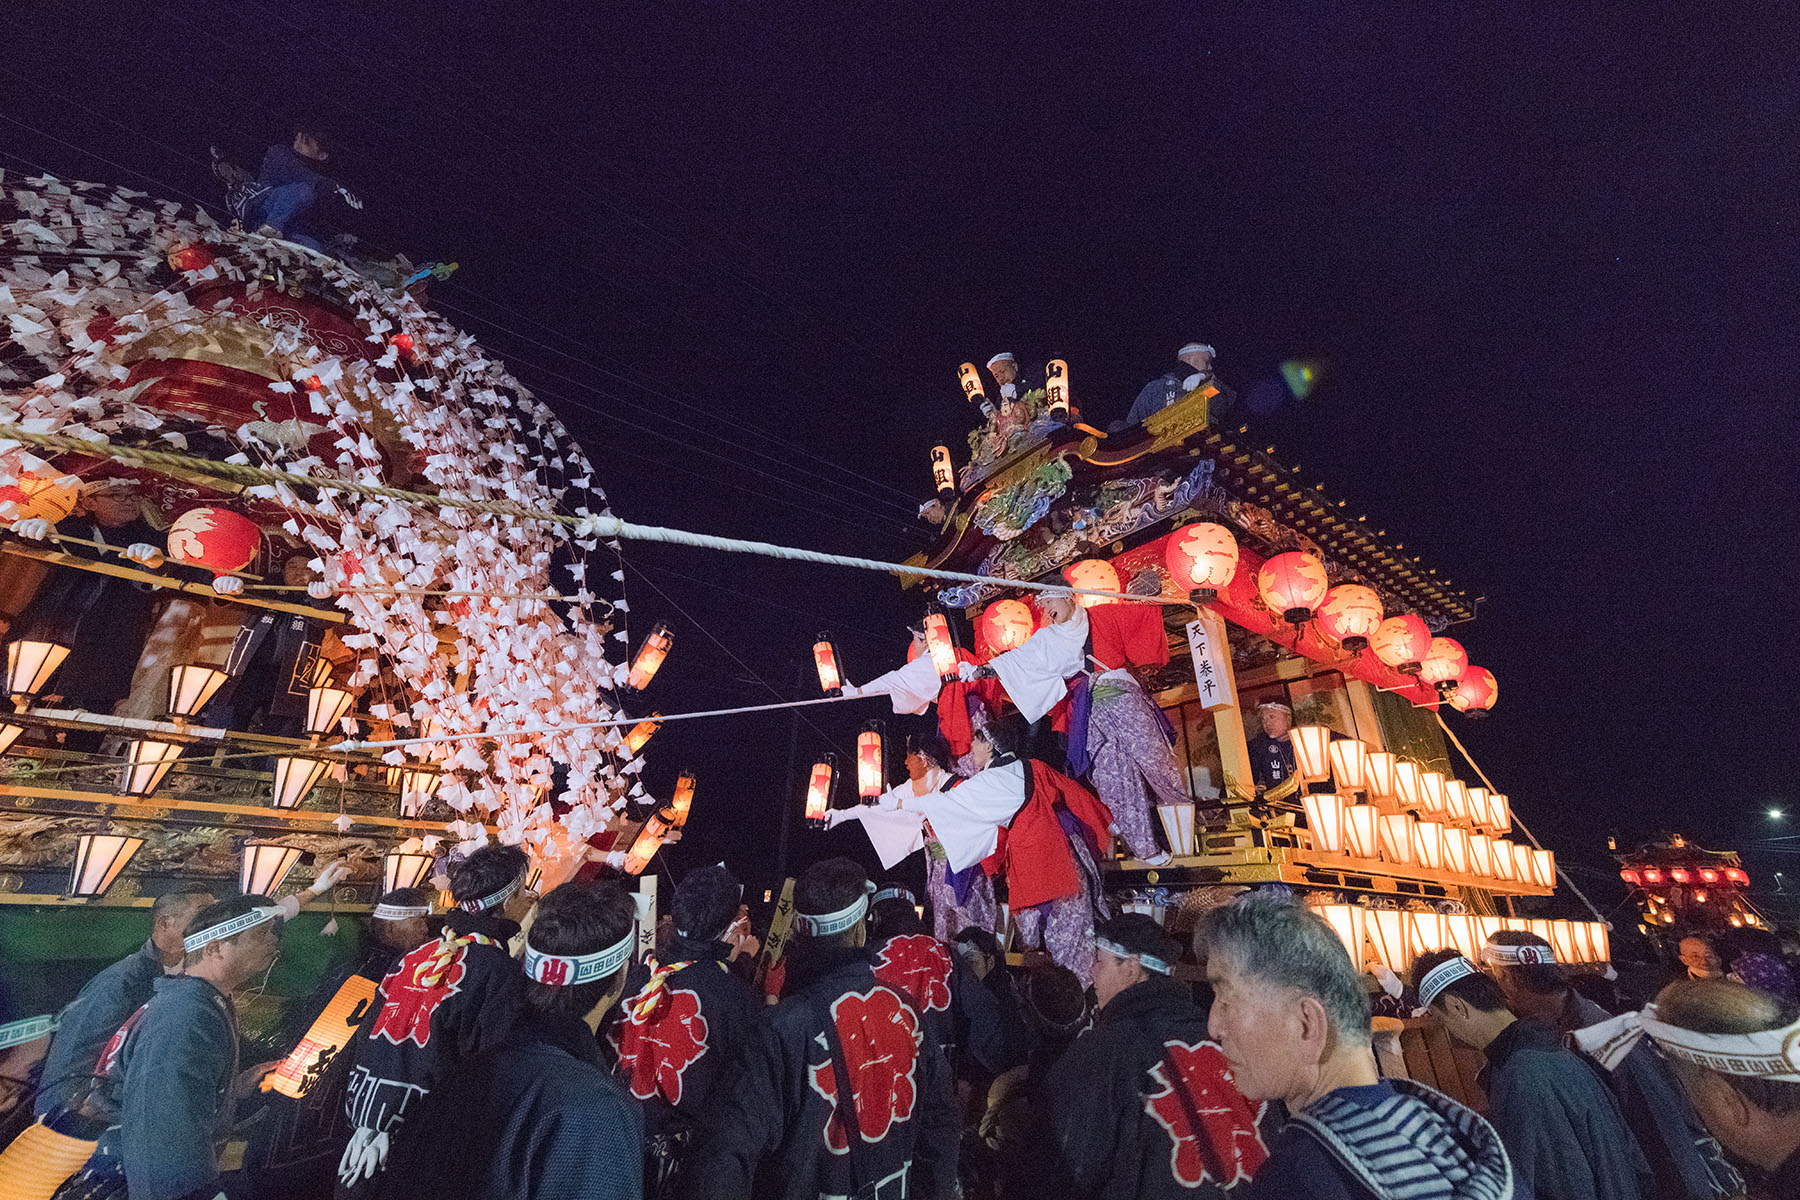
pixel 132 323
pixel 1680 887
pixel 1272 590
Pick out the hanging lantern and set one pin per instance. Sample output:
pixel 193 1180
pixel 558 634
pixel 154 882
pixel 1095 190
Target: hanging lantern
pixel 972 389
pixel 1092 574
pixel 29 665
pixel 1444 664
pixel 191 686
pixel 1653 877
pixel 649 841
pixel 1350 764
pixel 940 644
pixel 1478 808
pixel 1178 826
pixel 295 777
pixel 403 344
pixel 1401 642
pixel 1543 868
pixel 1380 771
pixel 99 857
pixel 1428 844
pixel 640 733
pixel 39 492
pixel 1456 850
pixel 1456 802
pixel 1476 694
pixel 189 256
pixel 682 802
pixel 1056 389
pixel 1202 559
pixel 1361 831
pixel 1481 856
pixel 1409 783
pixel 214 538
pixel 1005 624
pixel 1738 876
pixel 325 707
pixel 1348 921
pixel 943 473
pixel 264 866
pixel 818 789
pixel 1350 615
pixel 1465 934
pixel 9 734
pixel 1708 875
pixel 146 763
pixel 404 869
pixel 1429 932
pixel 1631 877
pixel 1431 786
pixel 871 766
pixel 418 784
pixel 649 658
pixel 1389 930
pixel 1293 584
pixel 1312 752
pixel 1397 845
pixel 1325 819
pixel 1499 813
pixel 825 659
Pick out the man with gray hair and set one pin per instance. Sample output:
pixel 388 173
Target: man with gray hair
pixel 1194 373
pixel 1291 1015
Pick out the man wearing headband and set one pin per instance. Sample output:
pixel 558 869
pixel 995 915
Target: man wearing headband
pixel 172 1068
pixel 539 1114
pixel 1194 370
pixel 676 1035
pixel 1685 1162
pixel 445 1001
pixel 1271 752
pixel 842 1094
pixel 1291 1016
pixel 1561 1125
pixel 1143 1104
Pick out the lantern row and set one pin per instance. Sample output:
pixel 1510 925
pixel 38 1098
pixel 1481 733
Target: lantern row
pixel 1395 937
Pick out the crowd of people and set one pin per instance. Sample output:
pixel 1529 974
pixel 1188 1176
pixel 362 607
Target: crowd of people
pixel 522 1047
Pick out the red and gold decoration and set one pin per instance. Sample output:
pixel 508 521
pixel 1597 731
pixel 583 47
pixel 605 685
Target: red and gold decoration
pixel 1202 559
pixel 1293 584
pixel 1095 575
pixel 1402 643
pixel 1004 625
pixel 1350 615
pixel 214 538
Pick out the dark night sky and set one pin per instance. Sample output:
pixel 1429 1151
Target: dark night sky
pixel 1550 257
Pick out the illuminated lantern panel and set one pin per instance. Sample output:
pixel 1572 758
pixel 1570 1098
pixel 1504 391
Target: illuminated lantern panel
pixel 1456 850
pixel 295 777
pixel 1503 861
pixel 325 707
pixel 1476 694
pixel 1350 615
pixel 1738 876
pixel 190 687
pixel 1456 801
pixel 1543 868
pixel 1428 845
pixel 649 841
pixel 940 644
pixel 825 659
pixel 1401 643
pixel 1708 875
pixel 1432 789
pixel 1562 938
pixel 29 666
pixel 650 658
pixel 1348 921
pixel 970 378
pixel 1464 933
pixel 1487 927
pixel 1409 783
pixel 1293 584
pixel 1523 869
pixel 1360 830
pixel 1350 764
pixel 818 789
pixel 641 732
pixel 871 770
pixel 1599 942
pixel 1499 812
pixel 1632 877
pixel 99 857
pixel 1005 625
pixel 1202 559
pixel 1397 844
pixel 146 763
pixel 38 492
pixel 1056 388
pixel 417 785
pixel 1389 933
pixel 1178 826
pixel 1429 932
pixel 1325 818
pixel 682 802
pixel 1477 808
pixel 215 538
pixel 943 473
pixel 1312 752
pixel 1381 765
pixel 1481 856
pixel 1680 875
pixel 1092 574
pixel 404 869
pixel 264 866
pixel 1653 877
pixel 1444 664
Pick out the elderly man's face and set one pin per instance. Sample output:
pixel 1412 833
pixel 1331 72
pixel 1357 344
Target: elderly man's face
pixel 113 507
pixel 1258 1025
pixel 1698 956
pixel 1276 723
pixel 1200 360
pixel 1005 371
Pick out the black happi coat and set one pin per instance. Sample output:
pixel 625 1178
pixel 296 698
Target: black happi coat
pixel 1143 1105
pixel 921 968
pixel 538 1116
pixel 424 1029
pixel 780 1135
pixel 88 1023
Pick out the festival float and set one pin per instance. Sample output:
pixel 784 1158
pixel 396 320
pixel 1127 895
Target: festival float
pixel 331 664
pixel 1680 887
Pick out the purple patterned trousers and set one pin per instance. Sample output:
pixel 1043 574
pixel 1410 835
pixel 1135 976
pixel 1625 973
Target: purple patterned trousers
pixel 948 918
pixel 1128 750
pixel 1064 928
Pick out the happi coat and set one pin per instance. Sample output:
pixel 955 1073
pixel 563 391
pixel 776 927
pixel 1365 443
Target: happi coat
pixel 88 1022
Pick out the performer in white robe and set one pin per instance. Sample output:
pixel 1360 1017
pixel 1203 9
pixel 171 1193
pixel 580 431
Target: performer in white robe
pixel 894 821
pixel 1033 674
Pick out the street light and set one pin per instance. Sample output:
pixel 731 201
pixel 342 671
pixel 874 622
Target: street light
pixel 1775 814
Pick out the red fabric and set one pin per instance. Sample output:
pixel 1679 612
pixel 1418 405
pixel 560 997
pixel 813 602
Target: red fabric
pixel 1033 851
pixel 1127 634
pixel 953 705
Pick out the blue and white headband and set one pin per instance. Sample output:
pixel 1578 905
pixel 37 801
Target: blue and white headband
pixel 894 892
pixel 826 924
pixel 1502 955
pixel 1442 976
pixel 399 912
pixel 492 900
pixel 1149 961
pixel 231 928
pixel 569 970
pixel 17 1033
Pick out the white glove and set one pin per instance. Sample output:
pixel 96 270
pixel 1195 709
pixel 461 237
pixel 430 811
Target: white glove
pixel 965 671
pixel 329 877
pixel 318 589
pixel 363 1156
pixel 35 528
pixel 615 859
pixel 228 585
pixel 850 689
pixel 350 199
pixel 144 554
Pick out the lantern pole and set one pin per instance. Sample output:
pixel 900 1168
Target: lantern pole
pixel 787 793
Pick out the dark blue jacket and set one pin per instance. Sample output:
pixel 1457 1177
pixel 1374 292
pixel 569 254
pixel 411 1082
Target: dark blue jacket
pixel 88 1022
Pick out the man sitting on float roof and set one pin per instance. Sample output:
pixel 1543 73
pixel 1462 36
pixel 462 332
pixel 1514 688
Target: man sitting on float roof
pixel 290 185
pixel 1195 372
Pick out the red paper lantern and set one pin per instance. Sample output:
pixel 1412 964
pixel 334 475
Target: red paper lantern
pixel 403 342
pixel 1401 642
pixel 825 659
pixel 314 384
pixel 1476 694
pixel 39 492
pixel 215 538
pixel 1202 559
pixel 1630 876
pixel 1444 664
pixel 1350 615
pixel 871 764
pixel 941 645
pixel 190 258
pixel 1293 584
pixel 1005 625
pixel 1094 574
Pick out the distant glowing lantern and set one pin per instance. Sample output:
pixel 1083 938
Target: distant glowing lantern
pixel 264 866
pixel 682 802
pixel 818 789
pixel 641 732
pixel 871 765
pixel 650 658
pixel 1431 787
pixel 972 389
pixel 1389 934
pixel 1481 856
pixel 404 869
pixel 1738 876
pixel 191 686
pixel 1350 615
pixel 29 665
pixel 1095 575
pixel 1465 934
pixel 146 762
pixel 1444 664
pixel 1428 844
pixel 1293 584
pixel 99 857
pixel 1312 752
pixel 417 785
pixel 1350 764
pixel 1476 694
pixel 1429 932
pixel 1456 850
pixel 1056 389
pixel 1202 559
pixel 1409 783
pixel 940 644
pixel 1499 812
pixel 1325 818
pixel 1397 845
pixel 325 707
pixel 1653 877
pixel 1178 826
pixel 1380 766
pixel 1680 875
pixel 825 659
pixel 943 473
pixel 1005 624
pixel 1708 875
pixel 1456 802
pixel 1361 831
pixel 1349 922
pixel 1632 877
pixel 295 777
pixel 215 538
pixel 190 256
pixel 1401 642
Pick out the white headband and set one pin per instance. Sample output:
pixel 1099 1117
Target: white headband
pixel 483 903
pixel 1149 961
pixel 826 924
pixel 1765 1054
pixel 893 893
pixel 1442 976
pixel 1003 356
pixel 1501 955
pixel 1194 348
pixel 231 928
pixel 399 912
pixel 564 970
pixel 17 1033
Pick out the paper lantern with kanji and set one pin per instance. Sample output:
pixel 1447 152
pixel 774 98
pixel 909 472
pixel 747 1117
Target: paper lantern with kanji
pixel 215 538
pixel 1005 625
pixel 1476 693
pixel 1293 584
pixel 1444 664
pixel 1094 574
pixel 1350 615
pixel 1401 642
pixel 1202 559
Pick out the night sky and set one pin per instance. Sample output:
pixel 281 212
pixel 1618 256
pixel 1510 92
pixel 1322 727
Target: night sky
pixel 1549 258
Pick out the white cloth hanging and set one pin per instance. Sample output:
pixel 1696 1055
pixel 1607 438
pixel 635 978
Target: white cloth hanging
pixel 967 818
pixel 1033 674
pixel 895 823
